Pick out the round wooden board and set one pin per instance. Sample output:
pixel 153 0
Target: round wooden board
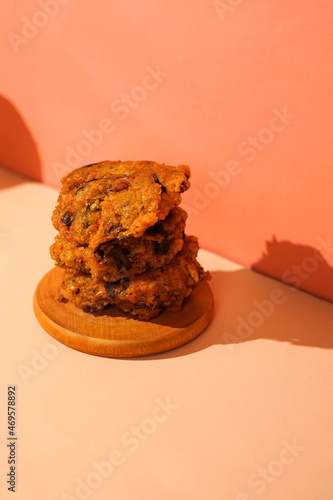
pixel 110 333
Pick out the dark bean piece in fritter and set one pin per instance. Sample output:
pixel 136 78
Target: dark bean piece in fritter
pixel 67 219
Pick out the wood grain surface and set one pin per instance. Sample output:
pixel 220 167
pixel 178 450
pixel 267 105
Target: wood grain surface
pixel 111 333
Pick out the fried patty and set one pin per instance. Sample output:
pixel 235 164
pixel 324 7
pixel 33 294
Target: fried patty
pixel 115 200
pixel 120 258
pixel 144 295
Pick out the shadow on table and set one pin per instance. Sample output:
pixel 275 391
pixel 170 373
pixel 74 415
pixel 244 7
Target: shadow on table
pixel 302 266
pixel 9 179
pixel 249 306
pixel 18 149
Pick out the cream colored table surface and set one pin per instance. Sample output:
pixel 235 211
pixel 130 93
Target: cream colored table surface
pixel 239 413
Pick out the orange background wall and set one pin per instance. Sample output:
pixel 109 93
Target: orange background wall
pixel 241 90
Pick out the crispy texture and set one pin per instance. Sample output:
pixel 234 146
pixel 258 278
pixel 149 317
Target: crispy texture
pixel 117 259
pixel 115 200
pixel 143 296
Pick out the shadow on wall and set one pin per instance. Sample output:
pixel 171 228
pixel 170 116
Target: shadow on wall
pixel 18 149
pixel 249 306
pixel 300 266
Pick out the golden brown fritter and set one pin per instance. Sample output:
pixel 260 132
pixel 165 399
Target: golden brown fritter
pixel 117 259
pixel 145 295
pixel 122 238
pixel 115 200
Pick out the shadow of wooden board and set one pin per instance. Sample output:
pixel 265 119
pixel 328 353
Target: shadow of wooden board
pixel 111 333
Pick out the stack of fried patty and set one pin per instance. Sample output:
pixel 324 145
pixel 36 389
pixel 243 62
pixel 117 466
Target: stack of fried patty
pixel 122 238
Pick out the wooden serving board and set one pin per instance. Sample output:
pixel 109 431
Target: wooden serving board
pixel 113 334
